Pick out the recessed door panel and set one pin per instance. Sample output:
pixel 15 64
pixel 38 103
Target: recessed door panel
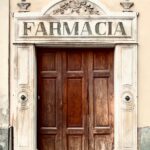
pixel 74 102
pixel 100 72
pixel 48 96
pixel 100 102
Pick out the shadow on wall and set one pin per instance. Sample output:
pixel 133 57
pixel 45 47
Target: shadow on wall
pixel 144 138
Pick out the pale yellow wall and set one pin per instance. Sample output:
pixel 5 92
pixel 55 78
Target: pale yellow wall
pixel 3 63
pixel 143 7
pixel 144 62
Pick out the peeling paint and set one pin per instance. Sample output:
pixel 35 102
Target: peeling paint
pixel 4 117
pixel 144 138
pixel 3 139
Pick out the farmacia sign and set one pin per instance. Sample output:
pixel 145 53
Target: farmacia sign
pixel 98 28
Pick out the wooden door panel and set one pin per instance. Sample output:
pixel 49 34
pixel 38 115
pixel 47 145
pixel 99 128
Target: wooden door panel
pixel 75 142
pixel 48 61
pixel 50 103
pixel 48 142
pixel 74 61
pixel 74 102
pixel 100 102
pixel 102 142
pixel 48 96
pixel 100 72
pixel 100 60
pixel 76 99
pixel 75 128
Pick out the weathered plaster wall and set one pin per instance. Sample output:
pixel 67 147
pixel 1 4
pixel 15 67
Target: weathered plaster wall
pixel 4 74
pixel 143 75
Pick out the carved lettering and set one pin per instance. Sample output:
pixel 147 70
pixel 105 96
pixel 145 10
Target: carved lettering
pixel 98 28
pixel 27 27
pixel 57 28
pixel 120 29
pixel 109 28
pixel 74 28
pixel 41 29
pixel 86 29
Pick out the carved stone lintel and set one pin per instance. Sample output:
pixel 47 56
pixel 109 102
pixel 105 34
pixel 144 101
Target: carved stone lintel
pixel 23 5
pixel 127 5
pixel 76 7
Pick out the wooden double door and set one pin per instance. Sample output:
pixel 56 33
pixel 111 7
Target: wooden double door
pixel 75 99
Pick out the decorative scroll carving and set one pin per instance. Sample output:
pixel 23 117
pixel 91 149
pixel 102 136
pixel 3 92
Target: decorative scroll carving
pixel 76 7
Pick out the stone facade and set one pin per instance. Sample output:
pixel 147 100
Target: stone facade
pixel 7 85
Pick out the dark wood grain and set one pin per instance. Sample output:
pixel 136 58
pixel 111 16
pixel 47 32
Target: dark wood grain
pixel 101 106
pixel 76 105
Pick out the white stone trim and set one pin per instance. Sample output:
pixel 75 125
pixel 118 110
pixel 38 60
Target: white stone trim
pixel 23 111
pixel 125 79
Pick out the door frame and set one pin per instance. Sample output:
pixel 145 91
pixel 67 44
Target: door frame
pixel 125 84
pixel 23 93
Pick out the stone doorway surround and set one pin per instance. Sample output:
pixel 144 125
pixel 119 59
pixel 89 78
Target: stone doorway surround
pixel 23 68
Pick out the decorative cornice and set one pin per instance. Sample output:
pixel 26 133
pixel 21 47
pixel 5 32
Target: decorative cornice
pixel 127 5
pixel 23 5
pixel 76 7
